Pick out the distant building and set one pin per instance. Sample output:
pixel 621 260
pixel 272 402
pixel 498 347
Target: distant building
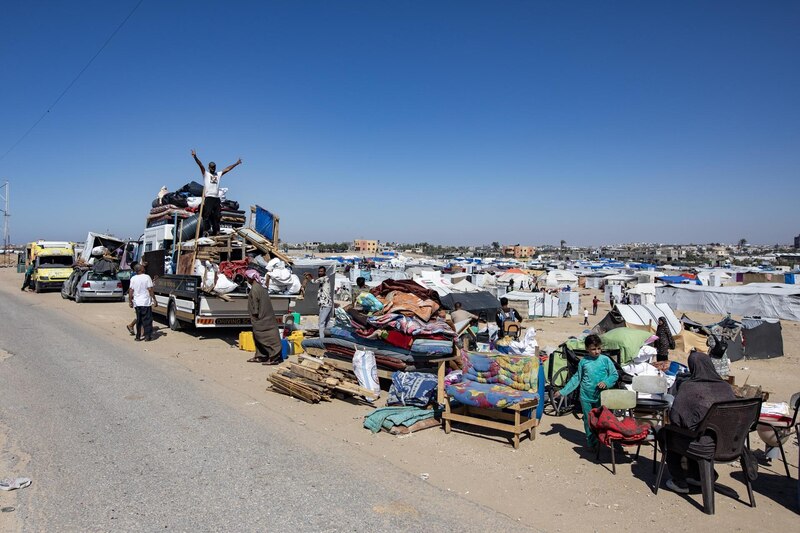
pixel 519 252
pixel 365 247
pixel 797 242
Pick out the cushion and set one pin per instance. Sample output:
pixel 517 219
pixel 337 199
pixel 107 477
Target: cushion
pixel 515 371
pixel 487 395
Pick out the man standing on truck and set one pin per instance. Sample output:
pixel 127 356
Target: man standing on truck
pixel 212 208
pixel 141 297
pixel 265 327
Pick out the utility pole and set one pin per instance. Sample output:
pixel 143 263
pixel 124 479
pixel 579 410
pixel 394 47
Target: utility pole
pixel 5 195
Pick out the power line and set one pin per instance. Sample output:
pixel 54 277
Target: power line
pixel 76 78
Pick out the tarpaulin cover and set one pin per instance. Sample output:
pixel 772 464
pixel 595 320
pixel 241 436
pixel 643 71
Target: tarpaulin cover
pixel 265 223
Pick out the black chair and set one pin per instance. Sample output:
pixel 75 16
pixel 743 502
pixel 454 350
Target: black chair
pixel 782 429
pixel 728 424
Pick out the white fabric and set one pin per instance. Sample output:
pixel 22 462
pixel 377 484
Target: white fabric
pixel 140 285
pixel 527 346
pixel 773 300
pixel 211 184
pixel 224 285
pixel 193 201
pixel 648 315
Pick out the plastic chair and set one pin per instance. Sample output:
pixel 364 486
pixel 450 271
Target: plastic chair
pixel 651 415
pixel 728 423
pixel 782 429
pixel 616 400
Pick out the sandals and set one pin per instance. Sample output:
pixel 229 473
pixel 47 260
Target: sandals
pixel 257 359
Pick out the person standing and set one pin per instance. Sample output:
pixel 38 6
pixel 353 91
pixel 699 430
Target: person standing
pixel 585 316
pixel 324 298
pixel 595 302
pixel 665 342
pixel 265 327
pixel 212 207
pixel 141 297
pixel 28 284
pixel 596 373
pixel 567 310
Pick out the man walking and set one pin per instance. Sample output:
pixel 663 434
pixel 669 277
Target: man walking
pixel 141 297
pixel 212 208
pixel 265 327
pixel 585 317
pixel 595 301
pixel 324 298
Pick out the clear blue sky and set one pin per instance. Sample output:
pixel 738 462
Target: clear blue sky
pixel 450 122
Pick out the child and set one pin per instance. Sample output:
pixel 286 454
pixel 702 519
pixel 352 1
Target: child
pixel 585 316
pixel 595 373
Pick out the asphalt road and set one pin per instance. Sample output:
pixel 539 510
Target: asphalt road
pixel 118 440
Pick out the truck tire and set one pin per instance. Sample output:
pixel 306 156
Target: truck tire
pixel 172 317
pixel 37 287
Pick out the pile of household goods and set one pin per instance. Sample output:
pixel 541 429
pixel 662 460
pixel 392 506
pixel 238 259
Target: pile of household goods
pixel 410 405
pixel 397 321
pixel 225 262
pixel 313 380
pixel 185 204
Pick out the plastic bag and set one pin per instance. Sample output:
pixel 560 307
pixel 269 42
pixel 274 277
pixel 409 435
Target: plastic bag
pixel 224 285
pixel 366 370
pixel 99 251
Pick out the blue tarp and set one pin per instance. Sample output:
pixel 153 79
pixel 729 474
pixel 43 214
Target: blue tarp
pixel 265 223
pixel 678 279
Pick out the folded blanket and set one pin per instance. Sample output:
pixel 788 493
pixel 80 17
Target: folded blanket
pixel 412 388
pixel 388 417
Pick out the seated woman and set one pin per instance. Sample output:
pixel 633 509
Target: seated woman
pixel 693 399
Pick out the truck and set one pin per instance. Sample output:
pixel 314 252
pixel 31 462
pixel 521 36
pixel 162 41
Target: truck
pixel 180 297
pixel 183 303
pixel 52 263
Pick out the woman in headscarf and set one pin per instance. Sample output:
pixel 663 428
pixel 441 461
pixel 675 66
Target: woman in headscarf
pixel 665 342
pixel 693 399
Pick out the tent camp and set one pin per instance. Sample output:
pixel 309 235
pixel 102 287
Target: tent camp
pixel 773 300
pixel 643 317
pixel 643 294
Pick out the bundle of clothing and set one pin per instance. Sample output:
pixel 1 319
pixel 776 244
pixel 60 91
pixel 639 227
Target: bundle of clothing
pixel 281 278
pixel 186 201
pixel 164 214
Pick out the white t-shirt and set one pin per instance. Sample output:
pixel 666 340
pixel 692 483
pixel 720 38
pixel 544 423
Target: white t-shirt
pixel 211 184
pixel 140 285
pixel 585 312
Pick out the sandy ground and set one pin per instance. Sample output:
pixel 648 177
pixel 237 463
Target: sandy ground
pixel 548 484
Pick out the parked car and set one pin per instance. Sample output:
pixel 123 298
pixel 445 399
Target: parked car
pixel 85 285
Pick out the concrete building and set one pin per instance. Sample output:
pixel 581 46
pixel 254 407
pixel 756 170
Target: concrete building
pixel 363 246
pixel 519 252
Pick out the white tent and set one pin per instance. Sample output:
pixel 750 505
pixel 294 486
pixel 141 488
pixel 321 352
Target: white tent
pixel 648 315
pixel 769 300
pixel 644 293
pixel 559 278
pixel 530 304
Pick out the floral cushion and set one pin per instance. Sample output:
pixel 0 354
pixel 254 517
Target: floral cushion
pixel 487 395
pixel 515 371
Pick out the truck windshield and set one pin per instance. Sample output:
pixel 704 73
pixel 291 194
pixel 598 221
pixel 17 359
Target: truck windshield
pixel 55 261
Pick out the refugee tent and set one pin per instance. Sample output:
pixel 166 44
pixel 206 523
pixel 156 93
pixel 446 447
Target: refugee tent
pixel 643 294
pixel 643 317
pixel 771 300
pixel 569 297
pixel 559 279
pixel 695 336
pixel 532 304
pixel 763 338
pixel 479 303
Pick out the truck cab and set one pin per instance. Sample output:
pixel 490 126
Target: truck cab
pixel 52 264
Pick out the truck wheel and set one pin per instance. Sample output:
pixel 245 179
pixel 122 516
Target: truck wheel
pixel 172 317
pixel 38 287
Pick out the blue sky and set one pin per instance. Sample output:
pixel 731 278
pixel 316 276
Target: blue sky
pixel 450 122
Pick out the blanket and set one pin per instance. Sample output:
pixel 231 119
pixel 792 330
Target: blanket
pixel 389 417
pixel 609 428
pixel 412 388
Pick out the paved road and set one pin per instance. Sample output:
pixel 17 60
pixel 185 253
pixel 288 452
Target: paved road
pixel 121 441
